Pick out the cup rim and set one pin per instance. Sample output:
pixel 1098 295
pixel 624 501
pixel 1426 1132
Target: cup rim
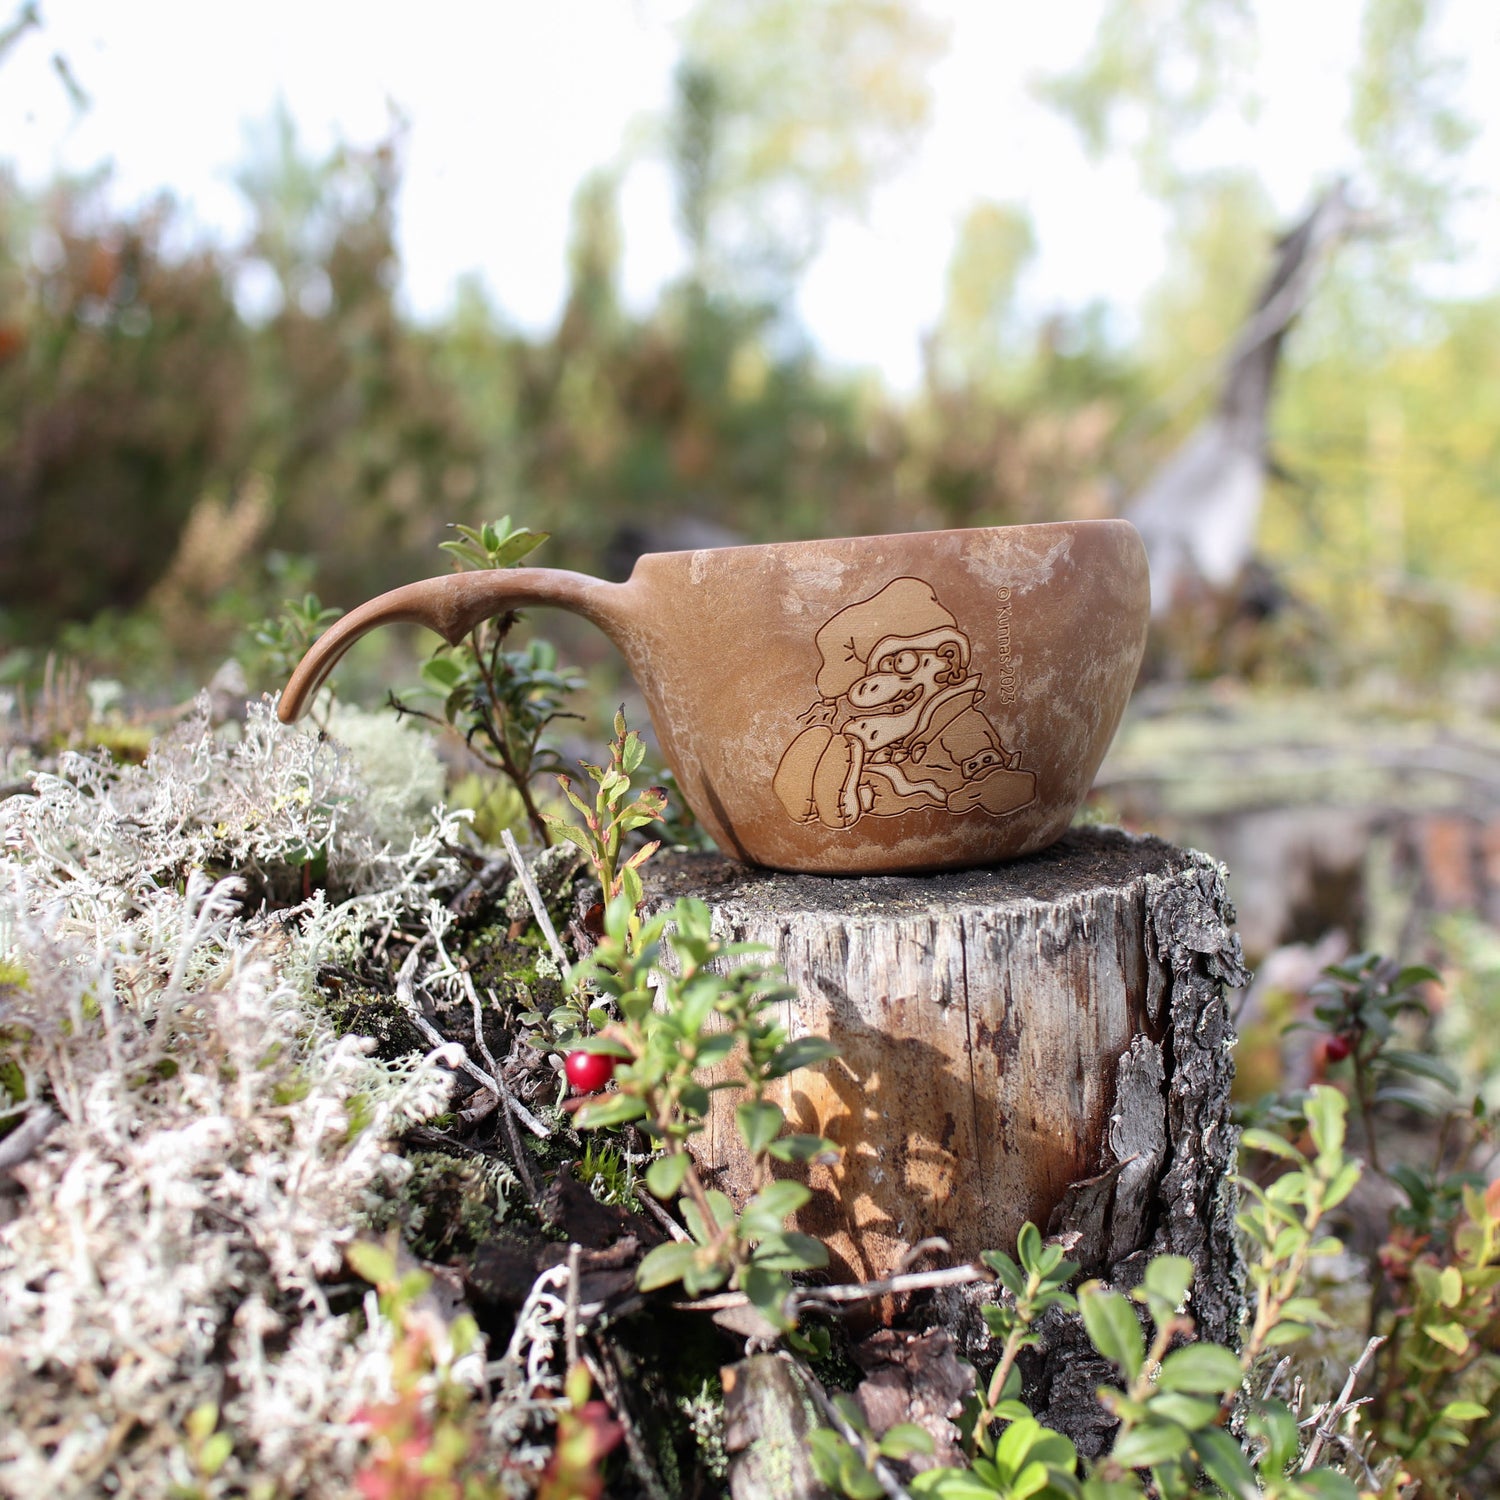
pixel 887 536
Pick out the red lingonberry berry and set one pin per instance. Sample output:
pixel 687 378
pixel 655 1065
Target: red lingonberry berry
pixel 588 1072
pixel 1338 1048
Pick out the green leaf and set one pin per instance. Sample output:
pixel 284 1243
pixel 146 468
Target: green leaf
pixel 1463 1411
pixel 805 1052
pixel 1224 1462
pixel 1422 1066
pixel 1274 1422
pixel 1328 1484
pixel 1326 1110
pixel 789 1251
pixel 802 1148
pixel 519 544
pixel 612 1109
pixel 759 1124
pixel 1286 1332
pixel 767 1292
pixel 371 1262
pixel 1009 1274
pixel 858 1483
pixel 1270 1143
pixel 1149 1444
pixel 1112 1326
pixel 665 1175
pixel 606 1046
pixel 952 1484
pixel 1449 1335
pixel 1029 1247
pixel 826 1450
pixel 768 1210
pixel 1014 1447
pixel 722 1208
pixel 214 1453
pixel 1168 1277
pixel 1414 975
pixel 442 673
pixel 904 1439
pixel 664 1265
pixel 1187 1411
pixel 1450 1286
pixel 1200 1368
pixel 1344 1182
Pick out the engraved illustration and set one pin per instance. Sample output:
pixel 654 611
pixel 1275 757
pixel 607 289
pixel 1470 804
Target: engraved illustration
pixel 897 726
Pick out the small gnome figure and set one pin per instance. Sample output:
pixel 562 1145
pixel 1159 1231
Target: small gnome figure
pixel 897 725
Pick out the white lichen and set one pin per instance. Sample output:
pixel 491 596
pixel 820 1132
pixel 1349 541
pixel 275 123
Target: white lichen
pixel 218 1144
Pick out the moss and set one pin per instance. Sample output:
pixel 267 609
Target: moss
pixel 670 1364
pixel 363 1012
pixel 448 1204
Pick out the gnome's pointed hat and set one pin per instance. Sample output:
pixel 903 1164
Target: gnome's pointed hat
pixel 905 610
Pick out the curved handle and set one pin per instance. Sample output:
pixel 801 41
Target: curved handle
pixel 452 606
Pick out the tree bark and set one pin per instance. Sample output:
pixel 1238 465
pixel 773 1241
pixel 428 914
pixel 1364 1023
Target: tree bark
pixel 1046 1040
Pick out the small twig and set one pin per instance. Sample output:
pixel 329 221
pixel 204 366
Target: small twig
pixel 1332 1416
pixel 534 897
pixel 933 1244
pixel 648 1201
pixel 813 1296
pixel 517 1150
pixel 910 1281
pixel 602 1368
pixel 430 1032
pixel 884 1475
pixel 1275 1379
pixel 25 1140
pixel 570 1317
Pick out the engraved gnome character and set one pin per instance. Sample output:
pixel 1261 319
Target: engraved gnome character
pixel 897 726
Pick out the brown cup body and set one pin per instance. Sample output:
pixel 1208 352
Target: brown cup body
pixel 925 701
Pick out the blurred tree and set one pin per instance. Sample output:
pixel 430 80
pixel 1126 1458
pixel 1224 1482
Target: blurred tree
pixel 1410 133
pixel 788 112
pixel 978 335
pixel 123 380
pixel 364 440
pixel 1155 72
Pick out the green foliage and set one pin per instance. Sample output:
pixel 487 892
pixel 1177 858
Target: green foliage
pixel 615 815
pixel 707 1017
pixel 427 1442
pixel 847 1464
pixel 505 699
pixel 783 113
pixel 283 639
pixel 1440 1371
pixel 586 1435
pixel 1175 1397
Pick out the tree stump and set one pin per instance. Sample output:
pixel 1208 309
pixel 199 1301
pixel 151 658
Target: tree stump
pixel 1047 1040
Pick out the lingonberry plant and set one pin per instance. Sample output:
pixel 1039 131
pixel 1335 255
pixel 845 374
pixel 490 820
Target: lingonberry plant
pixel 690 1019
pixel 616 813
pixel 1176 1397
pixel 500 701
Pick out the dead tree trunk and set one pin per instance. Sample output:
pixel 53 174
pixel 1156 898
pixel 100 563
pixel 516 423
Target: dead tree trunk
pixel 1045 1040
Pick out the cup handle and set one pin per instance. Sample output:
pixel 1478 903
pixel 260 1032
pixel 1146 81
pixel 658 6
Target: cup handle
pixel 452 606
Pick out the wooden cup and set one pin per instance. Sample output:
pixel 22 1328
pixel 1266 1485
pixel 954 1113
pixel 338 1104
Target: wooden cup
pixel 926 701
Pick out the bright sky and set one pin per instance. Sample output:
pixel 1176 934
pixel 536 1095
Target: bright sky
pixel 511 102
